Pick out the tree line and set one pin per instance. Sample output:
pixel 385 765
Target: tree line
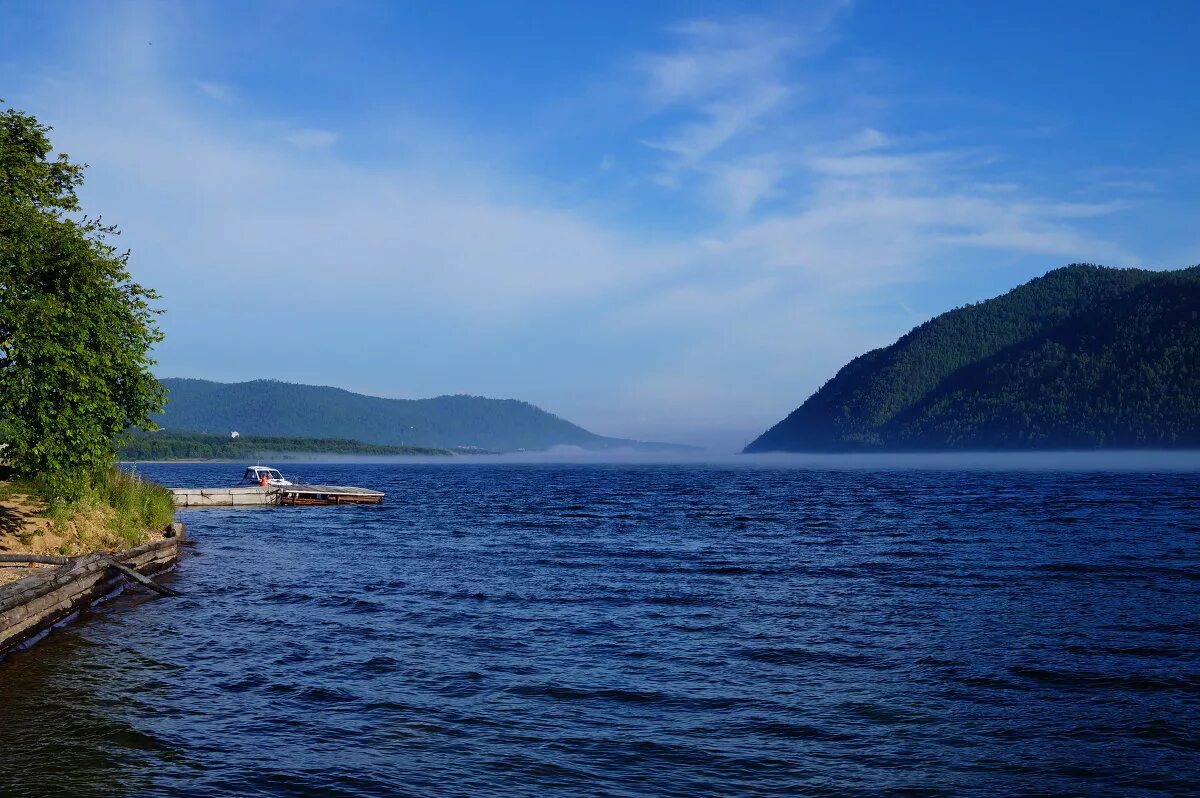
pixel 171 445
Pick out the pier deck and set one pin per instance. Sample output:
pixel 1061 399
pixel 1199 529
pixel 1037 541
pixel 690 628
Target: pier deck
pixel 327 494
pixel 286 495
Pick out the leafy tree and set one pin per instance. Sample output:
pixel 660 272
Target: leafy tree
pixel 75 330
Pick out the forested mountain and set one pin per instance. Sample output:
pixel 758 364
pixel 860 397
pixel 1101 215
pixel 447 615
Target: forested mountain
pixel 272 408
pixel 1084 357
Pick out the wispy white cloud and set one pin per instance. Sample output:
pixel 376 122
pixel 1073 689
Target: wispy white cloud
pixel 722 80
pixel 739 187
pixel 441 238
pixel 214 90
pixel 241 199
pixel 831 195
pixel 311 138
pixel 716 58
pixel 721 120
pixel 721 90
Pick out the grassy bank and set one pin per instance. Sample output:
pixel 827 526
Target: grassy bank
pixel 116 510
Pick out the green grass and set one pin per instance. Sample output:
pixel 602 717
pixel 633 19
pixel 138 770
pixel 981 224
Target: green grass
pixel 140 505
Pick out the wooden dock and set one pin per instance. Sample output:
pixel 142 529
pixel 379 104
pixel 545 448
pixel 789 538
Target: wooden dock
pixel 289 495
pixel 327 494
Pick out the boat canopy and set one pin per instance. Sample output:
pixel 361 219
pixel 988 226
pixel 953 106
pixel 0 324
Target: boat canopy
pixel 255 473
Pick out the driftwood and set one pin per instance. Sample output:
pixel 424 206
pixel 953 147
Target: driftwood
pixel 143 580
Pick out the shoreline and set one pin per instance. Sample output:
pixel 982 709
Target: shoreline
pixel 32 605
pixel 1113 460
pixel 57 557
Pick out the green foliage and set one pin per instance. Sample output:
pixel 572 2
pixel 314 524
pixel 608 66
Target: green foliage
pixel 1084 357
pixel 170 445
pixel 137 506
pixel 75 330
pixel 140 504
pixel 271 408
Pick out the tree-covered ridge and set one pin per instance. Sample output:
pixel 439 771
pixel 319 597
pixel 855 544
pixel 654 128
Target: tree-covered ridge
pixel 165 445
pixel 1083 357
pixel 281 409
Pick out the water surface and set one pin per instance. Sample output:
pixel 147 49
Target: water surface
pixel 532 629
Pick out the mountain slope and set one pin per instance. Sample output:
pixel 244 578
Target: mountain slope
pixel 272 408
pixel 1083 357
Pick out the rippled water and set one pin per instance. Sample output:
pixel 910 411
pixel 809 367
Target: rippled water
pixel 521 630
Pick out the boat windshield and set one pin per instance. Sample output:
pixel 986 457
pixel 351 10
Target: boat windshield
pixel 275 474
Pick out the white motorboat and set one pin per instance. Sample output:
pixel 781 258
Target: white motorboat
pixel 264 476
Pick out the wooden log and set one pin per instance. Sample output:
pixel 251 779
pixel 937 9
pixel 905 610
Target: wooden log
pixel 41 585
pixel 47 609
pixel 44 559
pixel 143 580
pixel 32 605
pixel 82 577
pixel 33 587
pixel 71 600
pixel 154 545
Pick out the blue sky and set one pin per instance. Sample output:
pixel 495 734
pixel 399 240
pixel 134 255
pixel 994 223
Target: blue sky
pixel 661 220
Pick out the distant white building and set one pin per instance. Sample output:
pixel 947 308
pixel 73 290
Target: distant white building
pixel 235 434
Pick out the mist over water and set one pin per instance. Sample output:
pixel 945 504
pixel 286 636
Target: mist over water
pixel 761 626
pixel 1136 460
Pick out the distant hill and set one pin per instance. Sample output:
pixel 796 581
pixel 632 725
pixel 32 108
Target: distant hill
pixel 282 409
pixel 1084 357
pixel 168 445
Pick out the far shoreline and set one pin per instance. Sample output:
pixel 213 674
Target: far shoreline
pixel 1079 460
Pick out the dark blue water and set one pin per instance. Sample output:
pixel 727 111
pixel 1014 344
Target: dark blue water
pixel 523 630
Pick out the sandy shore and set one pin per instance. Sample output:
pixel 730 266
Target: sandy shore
pixel 25 529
